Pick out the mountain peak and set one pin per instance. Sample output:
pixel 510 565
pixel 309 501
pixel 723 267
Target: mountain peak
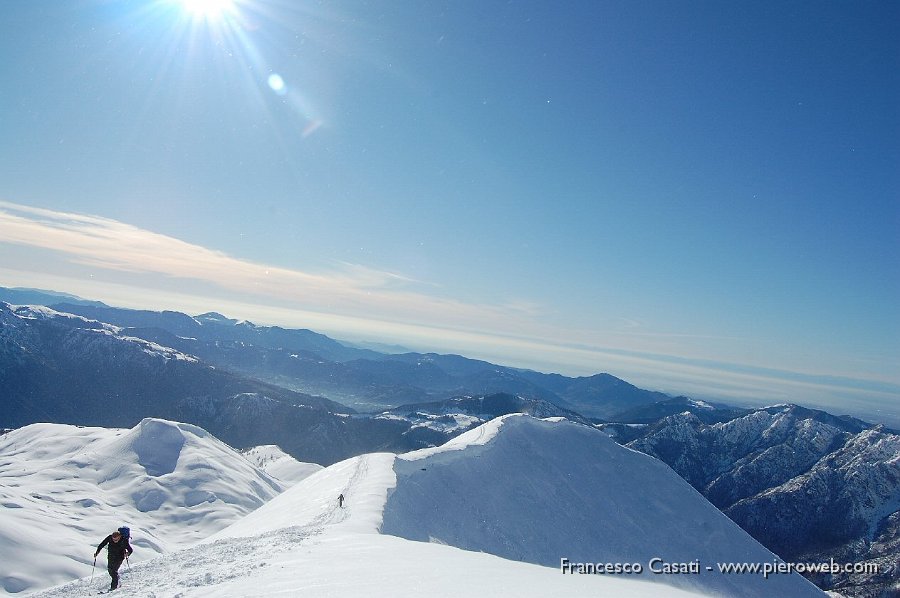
pixel 536 490
pixel 158 443
pixel 212 317
pixel 172 483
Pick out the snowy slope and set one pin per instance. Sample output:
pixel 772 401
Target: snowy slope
pixel 536 491
pixel 278 464
pixel 300 543
pixel 317 563
pixel 64 488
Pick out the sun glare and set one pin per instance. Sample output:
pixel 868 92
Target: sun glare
pixel 208 9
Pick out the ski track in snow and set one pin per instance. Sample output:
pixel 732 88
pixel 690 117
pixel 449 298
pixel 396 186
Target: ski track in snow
pixel 203 565
pixel 337 514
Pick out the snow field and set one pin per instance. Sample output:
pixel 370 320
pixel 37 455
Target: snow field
pixel 539 490
pixel 64 488
pixel 494 511
pixel 280 465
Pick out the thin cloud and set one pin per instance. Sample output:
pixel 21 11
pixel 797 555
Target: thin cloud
pixel 358 300
pixel 349 289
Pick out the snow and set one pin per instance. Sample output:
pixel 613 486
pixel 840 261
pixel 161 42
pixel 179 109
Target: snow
pixel 313 502
pixel 447 423
pixel 390 416
pixel 64 488
pixel 326 564
pixel 701 404
pixel 40 312
pixel 595 500
pixel 473 438
pixel 37 312
pixel 541 487
pixel 278 464
pixel 213 318
pixel 151 348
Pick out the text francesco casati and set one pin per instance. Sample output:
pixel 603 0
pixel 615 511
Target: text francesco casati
pixel 659 566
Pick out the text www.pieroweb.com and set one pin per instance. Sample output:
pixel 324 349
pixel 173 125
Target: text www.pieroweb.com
pixel 660 566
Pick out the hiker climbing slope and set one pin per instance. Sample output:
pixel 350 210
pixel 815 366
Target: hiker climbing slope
pixel 118 549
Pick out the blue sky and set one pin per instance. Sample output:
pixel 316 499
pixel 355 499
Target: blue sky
pixel 700 197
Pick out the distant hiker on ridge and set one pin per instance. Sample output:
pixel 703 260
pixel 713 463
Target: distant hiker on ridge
pixel 116 553
pixel 341 500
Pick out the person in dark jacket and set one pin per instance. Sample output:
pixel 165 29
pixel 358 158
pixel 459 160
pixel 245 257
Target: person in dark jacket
pixel 118 549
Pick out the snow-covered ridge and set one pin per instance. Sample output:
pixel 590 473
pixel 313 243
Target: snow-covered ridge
pixel 700 404
pixel 151 348
pixel 476 437
pixel 88 326
pixel 537 490
pixel 278 464
pixel 214 318
pixel 516 489
pixel 454 415
pixel 39 312
pixel 446 423
pixel 172 482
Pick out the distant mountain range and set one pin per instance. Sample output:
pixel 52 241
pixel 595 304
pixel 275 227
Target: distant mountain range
pixel 365 380
pixel 62 368
pixel 19 296
pixel 809 485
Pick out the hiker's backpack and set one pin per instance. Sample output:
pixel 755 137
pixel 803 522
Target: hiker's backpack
pixel 126 533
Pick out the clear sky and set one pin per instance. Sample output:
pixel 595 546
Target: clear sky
pixel 699 197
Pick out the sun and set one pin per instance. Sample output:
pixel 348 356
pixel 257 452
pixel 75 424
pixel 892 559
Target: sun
pixel 208 9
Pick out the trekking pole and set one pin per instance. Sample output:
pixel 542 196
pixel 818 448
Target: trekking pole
pixel 93 567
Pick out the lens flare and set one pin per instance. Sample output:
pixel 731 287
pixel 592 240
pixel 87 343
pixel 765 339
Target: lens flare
pixel 277 84
pixel 208 9
pixel 231 35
